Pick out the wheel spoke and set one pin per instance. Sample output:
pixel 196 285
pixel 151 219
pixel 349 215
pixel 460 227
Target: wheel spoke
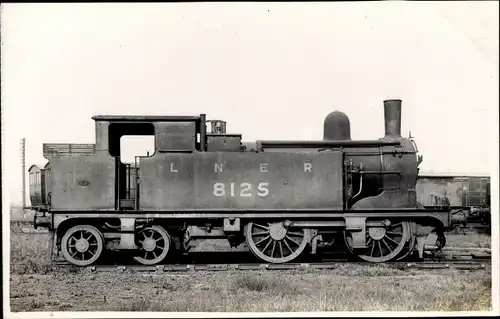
pixel 385 243
pixel 281 250
pixel 394 233
pixel 261 226
pixel 373 249
pixel 394 225
pixel 391 239
pixel 288 246
pixel 295 234
pixel 268 243
pixel 289 238
pixel 274 247
pixel 88 238
pixel 260 233
pixel 265 238
pixel 380 248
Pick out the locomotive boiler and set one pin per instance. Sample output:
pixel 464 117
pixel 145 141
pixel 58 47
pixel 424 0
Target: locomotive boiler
pixel 281 198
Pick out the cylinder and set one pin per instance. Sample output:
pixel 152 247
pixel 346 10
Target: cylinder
pixel 392 117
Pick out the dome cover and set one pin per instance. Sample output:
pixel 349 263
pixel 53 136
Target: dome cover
pixel 337 127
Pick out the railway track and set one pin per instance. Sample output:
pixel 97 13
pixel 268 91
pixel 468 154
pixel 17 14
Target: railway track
pixel 466 258
pixel 204 261
pixel 187 268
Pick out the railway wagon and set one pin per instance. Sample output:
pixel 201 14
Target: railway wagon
pixel 469 193
pixel 47 185
pixel 283 198
pixel 37 189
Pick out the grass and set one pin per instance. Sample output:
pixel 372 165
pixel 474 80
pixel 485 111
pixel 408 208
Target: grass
pixel 29 253
pixel 470 239
pixel 36 287
pixel 346 288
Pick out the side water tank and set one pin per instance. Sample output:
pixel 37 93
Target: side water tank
pixel 337 127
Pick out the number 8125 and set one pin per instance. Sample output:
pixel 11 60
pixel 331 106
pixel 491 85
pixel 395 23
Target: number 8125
pixel 240 190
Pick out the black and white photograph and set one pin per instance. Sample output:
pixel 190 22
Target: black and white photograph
pixel 262 159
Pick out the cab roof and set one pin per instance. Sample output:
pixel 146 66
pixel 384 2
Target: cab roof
pixel 145 118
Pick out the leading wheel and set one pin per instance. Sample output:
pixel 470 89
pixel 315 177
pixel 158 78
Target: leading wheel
pixel 154 245
pixel 275 243
pixel 383 243
pixel 82 245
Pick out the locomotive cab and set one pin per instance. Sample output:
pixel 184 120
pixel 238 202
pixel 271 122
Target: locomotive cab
pixel 172 134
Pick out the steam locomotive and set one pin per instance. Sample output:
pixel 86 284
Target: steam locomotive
pixel 281 198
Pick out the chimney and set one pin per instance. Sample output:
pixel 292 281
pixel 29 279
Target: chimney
pixel 392 117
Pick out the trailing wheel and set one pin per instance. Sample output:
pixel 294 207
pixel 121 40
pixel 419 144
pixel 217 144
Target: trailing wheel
pixel 383 243
pixel 82 245
pixel 275 243
pixel 154 245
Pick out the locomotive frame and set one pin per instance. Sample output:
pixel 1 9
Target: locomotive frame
pixel 283 196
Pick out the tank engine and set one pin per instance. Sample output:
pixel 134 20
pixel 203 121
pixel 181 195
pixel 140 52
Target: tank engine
pixel 281 198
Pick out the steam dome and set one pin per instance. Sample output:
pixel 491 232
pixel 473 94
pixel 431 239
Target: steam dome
pixel 337 127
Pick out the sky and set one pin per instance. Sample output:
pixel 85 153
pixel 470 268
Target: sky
pixel 272 71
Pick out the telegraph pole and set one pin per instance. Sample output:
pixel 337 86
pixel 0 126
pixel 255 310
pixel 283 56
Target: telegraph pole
pixel 23 162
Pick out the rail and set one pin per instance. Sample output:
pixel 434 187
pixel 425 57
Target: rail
pixel 329 265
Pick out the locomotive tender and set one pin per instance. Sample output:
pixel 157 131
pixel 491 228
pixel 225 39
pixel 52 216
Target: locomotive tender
pixel 283 198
